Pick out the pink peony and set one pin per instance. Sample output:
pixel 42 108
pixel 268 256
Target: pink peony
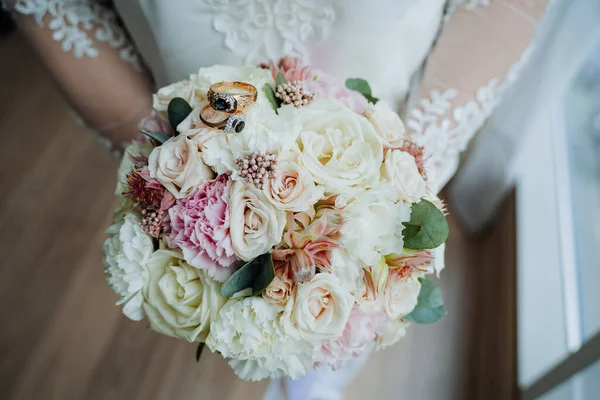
pixel 200 227
pixel 360 332
pixel 326 88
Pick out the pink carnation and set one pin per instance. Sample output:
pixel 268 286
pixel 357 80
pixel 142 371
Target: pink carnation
pixel 360 332
pixel 200 227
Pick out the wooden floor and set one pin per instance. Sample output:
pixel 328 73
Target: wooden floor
pixel 61 337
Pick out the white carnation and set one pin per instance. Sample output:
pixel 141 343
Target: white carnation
pixel 180 300
pixel 250 332
pixel 126 254
pixel 265 131
pixel 373 226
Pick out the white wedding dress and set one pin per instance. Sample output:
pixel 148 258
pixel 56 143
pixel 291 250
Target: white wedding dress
pixel 443 64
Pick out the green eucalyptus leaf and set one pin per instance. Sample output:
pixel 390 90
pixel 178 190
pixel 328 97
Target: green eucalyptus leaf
pixel 178 110
pixel 199 351
pixel 427 228
pixel 280 80
pixel 430 305
pixel 256 274
pixel 361 86
pixel 158 137
pixel 275 102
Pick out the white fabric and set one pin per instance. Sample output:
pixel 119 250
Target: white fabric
pixel 383 41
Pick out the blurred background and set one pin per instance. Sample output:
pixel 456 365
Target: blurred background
pixel 521 285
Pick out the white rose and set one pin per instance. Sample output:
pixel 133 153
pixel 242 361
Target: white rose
pixel 180 300
pixel 339 147
pixel 401 293
pixel 162 98
pixel 319 310
pixel 178 165
pixel 400 169
pixel 373 225
pixel 265 131
pixel 292 187
pixel 387 123
pixel 257 77
pixel 255 225
pixel 126 254
pixel 249 332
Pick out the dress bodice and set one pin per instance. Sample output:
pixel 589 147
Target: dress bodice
pixel 383 41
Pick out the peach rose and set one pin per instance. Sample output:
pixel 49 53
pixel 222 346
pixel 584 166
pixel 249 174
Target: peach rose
pixel 292 188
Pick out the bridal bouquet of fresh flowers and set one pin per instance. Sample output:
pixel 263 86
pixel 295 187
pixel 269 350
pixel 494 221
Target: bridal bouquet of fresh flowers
pixel 277 216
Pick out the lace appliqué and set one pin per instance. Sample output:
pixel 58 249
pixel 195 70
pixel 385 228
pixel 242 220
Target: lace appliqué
pixel 268 29
pixel 445 130
pixel 74 23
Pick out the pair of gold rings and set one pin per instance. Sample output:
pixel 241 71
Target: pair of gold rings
pixel 230 98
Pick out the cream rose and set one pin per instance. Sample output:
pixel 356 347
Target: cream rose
pixel 400 169
pixel 373 224
pixel 292 188
pixel 401 293
pixel 255 225
pixel 178 165
pixel 180 300
pixel 162 98
pixel 319 310
pixel 387 123
pixel 339 147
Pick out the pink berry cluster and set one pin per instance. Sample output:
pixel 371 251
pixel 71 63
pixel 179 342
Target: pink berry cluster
pixel 152 222
pixel 294 93
pixel 257 167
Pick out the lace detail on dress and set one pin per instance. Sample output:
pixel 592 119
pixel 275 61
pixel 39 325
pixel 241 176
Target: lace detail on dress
pixel 262 29
pixel 445 129
pixel 76 23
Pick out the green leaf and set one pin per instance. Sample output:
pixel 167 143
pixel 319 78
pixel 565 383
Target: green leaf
pixel 199 351
pixel 430 305
pixel 427 228
pixel 159 137
pixel 178 110
pixel 280 80
pixel 256 274
pixel 361 86
pixel 275 102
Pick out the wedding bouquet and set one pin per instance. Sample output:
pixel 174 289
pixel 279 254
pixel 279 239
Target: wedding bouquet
pixel 278 216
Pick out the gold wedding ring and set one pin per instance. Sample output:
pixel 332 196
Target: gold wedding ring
pixel 231 97
pixel 230 124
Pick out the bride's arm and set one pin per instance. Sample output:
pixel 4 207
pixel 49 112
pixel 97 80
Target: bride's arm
pixel 478 55
pixel 92 60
